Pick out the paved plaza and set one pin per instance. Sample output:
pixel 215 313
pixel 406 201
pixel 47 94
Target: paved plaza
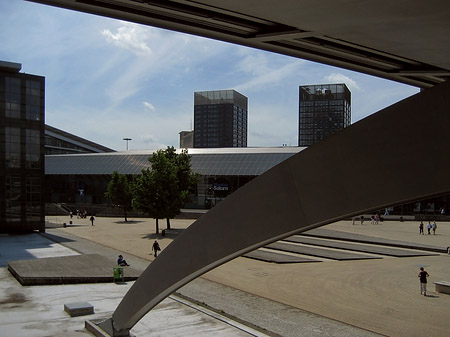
pixel 377 294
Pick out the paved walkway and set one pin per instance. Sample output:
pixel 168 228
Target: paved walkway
pixel 379 295
pixel 38 311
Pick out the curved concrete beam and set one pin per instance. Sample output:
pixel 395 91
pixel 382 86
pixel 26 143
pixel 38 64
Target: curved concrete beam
pixel 397 155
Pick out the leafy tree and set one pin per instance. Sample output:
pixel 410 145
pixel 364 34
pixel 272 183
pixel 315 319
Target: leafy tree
pixel 162 190
pixel 119 192
pixel 183 185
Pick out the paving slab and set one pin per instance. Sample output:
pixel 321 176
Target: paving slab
pixel 372 249
pixel 375 295
pixel 340 235
pixel 86 268
pixel 39 312
pixel 262 255
pixel 319 252
pixel 29 246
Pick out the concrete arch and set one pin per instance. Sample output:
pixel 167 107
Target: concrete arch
pixel 397 155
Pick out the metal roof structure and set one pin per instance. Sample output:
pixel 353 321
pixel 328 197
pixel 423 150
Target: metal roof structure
pixel 405 41
pixel 214 162
pixel 73 139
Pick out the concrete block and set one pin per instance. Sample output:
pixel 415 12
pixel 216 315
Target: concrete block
pixel 79 309
pixel 442 287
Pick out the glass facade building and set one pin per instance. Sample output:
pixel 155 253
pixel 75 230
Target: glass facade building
pixel 220 119
pixel 22 97
pixel 323 110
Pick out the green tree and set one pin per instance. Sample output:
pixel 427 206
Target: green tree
pixel 183 185
pixel 119 192
pixel 162 190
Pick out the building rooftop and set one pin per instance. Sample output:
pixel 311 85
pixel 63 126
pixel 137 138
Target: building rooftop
pixel 73 139
pixel 10 66
pixel 214 161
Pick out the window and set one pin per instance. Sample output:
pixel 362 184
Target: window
pixel 12 97
pixel 33 148
pixel 13 202
pixel 33 103
pixel 12 147
pixel 33 209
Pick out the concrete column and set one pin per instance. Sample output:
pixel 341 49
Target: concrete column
pixel 398 155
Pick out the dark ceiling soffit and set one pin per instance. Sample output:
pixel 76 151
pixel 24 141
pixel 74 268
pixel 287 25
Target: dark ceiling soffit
pixel 262 34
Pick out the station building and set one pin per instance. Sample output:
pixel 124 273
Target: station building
pixel 83 178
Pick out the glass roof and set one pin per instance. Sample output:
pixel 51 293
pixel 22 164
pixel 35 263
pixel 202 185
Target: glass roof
pixel 224 162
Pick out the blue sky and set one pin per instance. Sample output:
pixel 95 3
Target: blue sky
pixel 108 79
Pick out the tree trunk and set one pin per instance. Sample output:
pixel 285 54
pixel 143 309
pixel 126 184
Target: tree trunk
pixel 157 226
pixel 168 223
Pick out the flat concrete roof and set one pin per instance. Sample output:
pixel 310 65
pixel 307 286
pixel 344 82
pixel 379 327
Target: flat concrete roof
pixel 12 67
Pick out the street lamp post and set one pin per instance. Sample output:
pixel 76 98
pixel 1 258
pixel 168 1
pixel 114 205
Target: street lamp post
pixel 127 140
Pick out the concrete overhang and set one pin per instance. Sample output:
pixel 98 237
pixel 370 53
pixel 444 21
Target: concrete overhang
pixel 404 41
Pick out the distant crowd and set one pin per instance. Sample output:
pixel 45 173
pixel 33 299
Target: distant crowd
pixel 374 219
pixel 82 215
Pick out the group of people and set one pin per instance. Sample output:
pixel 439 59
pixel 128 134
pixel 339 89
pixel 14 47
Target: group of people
pixel 430 227
pixel 82 215
pixel 375 219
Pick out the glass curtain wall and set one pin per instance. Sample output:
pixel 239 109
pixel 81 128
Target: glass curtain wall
pixel 22 98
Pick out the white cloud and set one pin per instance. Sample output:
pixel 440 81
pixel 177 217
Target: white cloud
pixel 341 78
pixel 151 141
pixel 149 106
pixel 131 37
pixel 263 74
pixel 101 71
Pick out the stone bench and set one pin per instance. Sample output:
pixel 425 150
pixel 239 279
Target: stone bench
pixel 442 287
pixel 79 309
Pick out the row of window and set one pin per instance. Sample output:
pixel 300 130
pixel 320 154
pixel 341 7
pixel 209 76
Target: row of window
pixel 336 126
pixel 13 103
pixel 333 108
pixel 13 153
pixel 337 102
pixel 13 188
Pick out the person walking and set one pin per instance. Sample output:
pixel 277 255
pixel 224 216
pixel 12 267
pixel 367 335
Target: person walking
pixel 421 228
pixel 423 281
pixel 92 220
pixel 429 228
pixel 434 226
pixel 156 248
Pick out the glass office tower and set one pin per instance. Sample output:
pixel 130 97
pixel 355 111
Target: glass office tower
pixel 323 110
pixel 22 96
pixel 220 119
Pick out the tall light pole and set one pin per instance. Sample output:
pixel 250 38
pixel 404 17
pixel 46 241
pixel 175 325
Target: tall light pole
pixel 127 140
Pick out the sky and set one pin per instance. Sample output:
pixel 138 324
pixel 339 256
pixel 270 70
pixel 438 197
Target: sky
pixel 108 79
